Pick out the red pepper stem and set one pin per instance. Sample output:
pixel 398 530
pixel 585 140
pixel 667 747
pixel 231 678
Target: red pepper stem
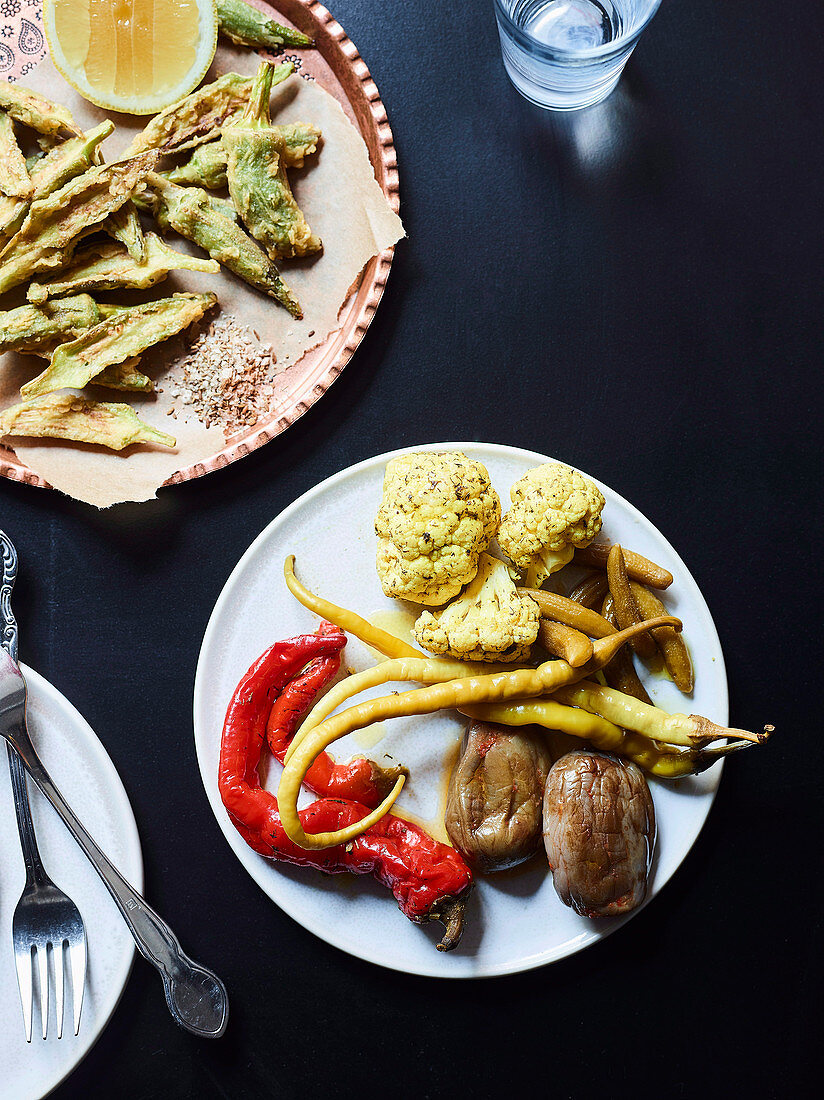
pixel 451 915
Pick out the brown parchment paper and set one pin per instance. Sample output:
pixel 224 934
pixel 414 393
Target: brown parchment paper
pixel 343 203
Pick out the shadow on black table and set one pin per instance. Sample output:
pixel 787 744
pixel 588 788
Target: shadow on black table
pixel 619 142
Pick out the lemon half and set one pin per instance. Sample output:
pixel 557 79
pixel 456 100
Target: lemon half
pixel 136 56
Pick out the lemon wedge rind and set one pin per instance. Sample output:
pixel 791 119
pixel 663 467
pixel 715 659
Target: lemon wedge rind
pixel 70 60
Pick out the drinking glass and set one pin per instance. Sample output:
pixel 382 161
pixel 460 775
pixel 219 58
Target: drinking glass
pixel 567 54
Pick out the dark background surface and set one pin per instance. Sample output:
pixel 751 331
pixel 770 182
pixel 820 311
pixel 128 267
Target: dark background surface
pixel 635 290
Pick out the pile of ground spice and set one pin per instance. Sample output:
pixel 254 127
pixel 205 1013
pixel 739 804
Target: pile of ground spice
pixel 226 377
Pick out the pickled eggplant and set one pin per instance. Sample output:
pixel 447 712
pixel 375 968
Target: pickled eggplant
pixel 599 832
pixel 493 809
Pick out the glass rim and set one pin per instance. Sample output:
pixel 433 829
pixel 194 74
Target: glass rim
pixel 559 53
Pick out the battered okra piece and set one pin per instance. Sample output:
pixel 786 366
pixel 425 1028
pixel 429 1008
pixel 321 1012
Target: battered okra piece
pixel 124 226
pixel 14 178
pixel 190 212
pixel 125 376
pixel 258 184
pixel 146 203
pixel 38 329
pixel 69 416
pixel 223 207
pixel 195 118
pixel 300 139
pixel 53 224
pixel 247 26
pixel 10 210
pixel 35 111
pixel 206 167
pixel 114 340
pixel 54 169
pixel 106 266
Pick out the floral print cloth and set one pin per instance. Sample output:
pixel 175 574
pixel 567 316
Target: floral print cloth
pixel 22 42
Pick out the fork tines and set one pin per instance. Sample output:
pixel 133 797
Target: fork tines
pixel 31 956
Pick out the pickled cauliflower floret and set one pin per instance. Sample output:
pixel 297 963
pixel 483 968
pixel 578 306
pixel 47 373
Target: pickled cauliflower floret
pixel 439 511
pixel 554 509
pixel 489 621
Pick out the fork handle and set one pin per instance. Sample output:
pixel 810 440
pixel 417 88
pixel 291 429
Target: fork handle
pixel 25 825
pixel 196 997
pixel 9 639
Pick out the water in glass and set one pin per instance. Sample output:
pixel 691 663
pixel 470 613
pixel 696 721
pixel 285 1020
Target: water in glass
pixel 567 54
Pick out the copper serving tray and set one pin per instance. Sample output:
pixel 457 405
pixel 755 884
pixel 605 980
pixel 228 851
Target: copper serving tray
pixel 338 67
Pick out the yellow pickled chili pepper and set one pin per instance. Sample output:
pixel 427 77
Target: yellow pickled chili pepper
pixel 422 669
pixel 552 716
pixel 673 729
pixel 348 621
pixel 679 764
pixel 654 757
pixel 398 670
pixel 570 720
pixel 454 694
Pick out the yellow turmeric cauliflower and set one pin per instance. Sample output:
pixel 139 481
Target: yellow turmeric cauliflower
pixel 439 511
pixel 489 621
pixel 554 509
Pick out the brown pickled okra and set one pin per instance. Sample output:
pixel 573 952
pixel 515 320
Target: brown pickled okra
pixel 118 338
pixel 565 641
pixel 52 171
pixel 195 118
pixel 53 224
pixel 39 329
pixel 590 591
pixel 673 647
pixel 639 568
pixel 14 177
pixel 257 179
pixel 35 111
pixel 563 610
pixel 247 26
pixel 107 266
pixel 626 609
pixel 620 672
pixel 69 416
pixel 190 211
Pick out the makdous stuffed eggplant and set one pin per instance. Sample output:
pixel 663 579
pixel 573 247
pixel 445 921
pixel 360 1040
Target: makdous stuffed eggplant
pixel 493 809
pixel 599 832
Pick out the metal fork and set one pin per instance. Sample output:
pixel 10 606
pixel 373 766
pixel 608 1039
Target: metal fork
pixel 44 916
pixel 195 996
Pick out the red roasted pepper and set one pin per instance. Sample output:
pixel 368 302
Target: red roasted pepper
pixel 430 881
pixel 360 779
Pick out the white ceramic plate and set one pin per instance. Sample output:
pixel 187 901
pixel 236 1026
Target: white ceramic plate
pixel 86 776
pixel 515 920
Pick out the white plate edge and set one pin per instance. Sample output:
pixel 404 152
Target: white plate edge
pixel 132 842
